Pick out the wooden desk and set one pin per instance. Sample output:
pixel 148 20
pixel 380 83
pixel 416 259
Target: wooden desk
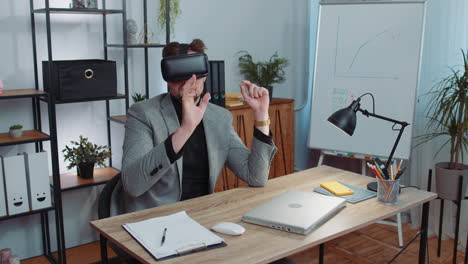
pixel 261 244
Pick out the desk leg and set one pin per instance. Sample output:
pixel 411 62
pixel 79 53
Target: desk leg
pixel 424 225
pixel 441 220
pixel 457 224
pixel 457 231
pixel 466 249
pixel 103 246
pixel 321 253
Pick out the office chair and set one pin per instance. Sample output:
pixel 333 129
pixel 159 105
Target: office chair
pixel 104 211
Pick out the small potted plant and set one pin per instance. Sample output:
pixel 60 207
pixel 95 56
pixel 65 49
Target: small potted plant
pixel 85 155
pixel 137 97
pixel 263 73
pixel 448 116
pixel 16 131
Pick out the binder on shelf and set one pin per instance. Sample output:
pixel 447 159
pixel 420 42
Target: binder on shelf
pixel 3 208
pixel 215 84
pixel 15 184
pixel 221 84
pixel 37 172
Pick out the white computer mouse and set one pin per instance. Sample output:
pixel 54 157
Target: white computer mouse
pixel 228 228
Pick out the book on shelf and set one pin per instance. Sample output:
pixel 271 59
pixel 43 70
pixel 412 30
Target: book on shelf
pixel 234 99
pixel 3 207
pixel 234 103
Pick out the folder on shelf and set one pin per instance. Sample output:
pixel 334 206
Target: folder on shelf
pixel 37 172
pixel 183 236
pixel 3 208
pixel 15 184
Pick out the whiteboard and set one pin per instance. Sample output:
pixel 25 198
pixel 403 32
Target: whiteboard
pixel 366 47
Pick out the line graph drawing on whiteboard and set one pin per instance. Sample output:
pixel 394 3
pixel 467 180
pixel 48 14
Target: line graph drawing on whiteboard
pixel 364 62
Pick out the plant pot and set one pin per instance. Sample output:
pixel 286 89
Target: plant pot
pixel 85 170
pixel 270 91
pixel 447 181
pixel 16 133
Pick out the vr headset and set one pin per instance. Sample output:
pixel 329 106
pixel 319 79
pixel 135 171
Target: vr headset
pixel 180 68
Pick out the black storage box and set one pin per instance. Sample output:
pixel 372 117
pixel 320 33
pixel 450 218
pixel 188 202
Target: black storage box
pixel 75 80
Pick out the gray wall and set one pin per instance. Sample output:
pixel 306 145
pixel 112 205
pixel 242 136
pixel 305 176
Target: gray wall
pixel 261 27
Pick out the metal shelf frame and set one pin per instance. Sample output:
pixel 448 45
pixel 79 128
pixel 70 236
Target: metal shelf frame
pixel 77 11
pixel 56 206
pixel 125 46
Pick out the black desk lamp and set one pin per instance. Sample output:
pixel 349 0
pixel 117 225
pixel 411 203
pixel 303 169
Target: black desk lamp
pixel 345 119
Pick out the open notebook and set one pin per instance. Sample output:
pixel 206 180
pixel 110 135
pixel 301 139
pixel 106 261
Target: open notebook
pixel 183 235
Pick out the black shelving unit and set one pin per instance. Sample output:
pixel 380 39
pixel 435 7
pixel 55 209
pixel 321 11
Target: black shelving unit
pixel 51 103
pixel 121 119
pixel 70 181
pixel 145 46
pixel 37 137
pixel 78 11
pixel 125 46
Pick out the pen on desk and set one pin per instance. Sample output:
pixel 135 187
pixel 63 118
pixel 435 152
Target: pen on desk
pixel 391 171
pixel 163 237
pixel 400 173
pixel 374 170
pixel 379 169
pixel 399 167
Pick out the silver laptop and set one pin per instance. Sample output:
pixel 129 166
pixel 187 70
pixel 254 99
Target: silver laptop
pixel 295 211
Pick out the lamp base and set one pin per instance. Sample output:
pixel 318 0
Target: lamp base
pixel 372 186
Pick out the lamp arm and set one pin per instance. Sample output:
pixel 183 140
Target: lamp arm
pixel 367 113
pixel 403 125
pixel 394 147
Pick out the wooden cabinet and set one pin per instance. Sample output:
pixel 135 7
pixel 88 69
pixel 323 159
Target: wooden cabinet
pixel 282 127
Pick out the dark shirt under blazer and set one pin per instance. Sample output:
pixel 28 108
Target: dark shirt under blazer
pixel 148 177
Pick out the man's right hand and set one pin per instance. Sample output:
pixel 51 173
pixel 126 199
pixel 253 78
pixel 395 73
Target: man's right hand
pixel 191 113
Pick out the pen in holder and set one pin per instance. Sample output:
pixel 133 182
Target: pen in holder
pixel 388 191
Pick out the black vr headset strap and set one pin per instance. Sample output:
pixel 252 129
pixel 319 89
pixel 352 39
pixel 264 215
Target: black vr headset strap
pixel 183 49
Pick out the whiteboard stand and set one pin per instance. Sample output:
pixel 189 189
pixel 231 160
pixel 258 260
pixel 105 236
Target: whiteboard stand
pixel 363 172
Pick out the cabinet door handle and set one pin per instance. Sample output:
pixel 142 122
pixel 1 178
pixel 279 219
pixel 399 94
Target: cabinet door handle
pixel 88 74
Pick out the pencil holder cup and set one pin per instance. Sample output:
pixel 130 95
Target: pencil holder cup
pixel 388 191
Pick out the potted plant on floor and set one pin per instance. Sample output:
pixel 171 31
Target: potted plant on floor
pixel 448 116
pixel 85 155
pixel 263 73
pixel 16 131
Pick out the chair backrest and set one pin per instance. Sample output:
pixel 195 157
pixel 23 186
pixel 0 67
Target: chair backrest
pixel 105 197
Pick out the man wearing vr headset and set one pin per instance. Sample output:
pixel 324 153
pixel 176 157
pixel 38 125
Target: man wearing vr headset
pixel 176 144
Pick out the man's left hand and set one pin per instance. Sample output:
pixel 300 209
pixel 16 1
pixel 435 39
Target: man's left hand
pixel 257 98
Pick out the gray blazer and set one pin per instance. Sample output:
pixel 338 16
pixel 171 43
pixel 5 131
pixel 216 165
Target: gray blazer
pixel 148 177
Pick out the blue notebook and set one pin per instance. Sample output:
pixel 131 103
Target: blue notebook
pixel 359 194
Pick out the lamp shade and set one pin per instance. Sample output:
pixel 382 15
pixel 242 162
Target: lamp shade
pixel 344 119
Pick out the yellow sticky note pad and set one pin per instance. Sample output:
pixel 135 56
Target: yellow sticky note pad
pixel 336 188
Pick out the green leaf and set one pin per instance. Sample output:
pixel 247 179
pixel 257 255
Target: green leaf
pixel 263 73
pixel 85 152
pixel 447 111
